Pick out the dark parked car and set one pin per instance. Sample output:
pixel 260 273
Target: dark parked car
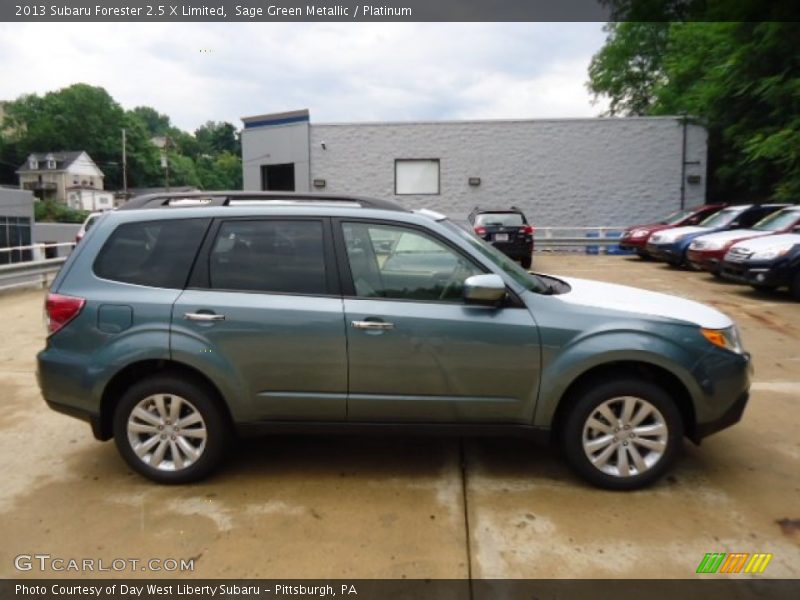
pixel 766 263
pixel 671 245
pixel 180 320
pixel 507 230
pixel 635 237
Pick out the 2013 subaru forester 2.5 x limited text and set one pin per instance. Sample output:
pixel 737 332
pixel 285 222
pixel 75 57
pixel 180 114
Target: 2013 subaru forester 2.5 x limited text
pixel 182 320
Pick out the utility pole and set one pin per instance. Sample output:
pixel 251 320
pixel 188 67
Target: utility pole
pixel 124 166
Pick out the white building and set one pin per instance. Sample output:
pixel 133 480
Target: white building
pixel 561 172
pixel 49 175
pixel 89 198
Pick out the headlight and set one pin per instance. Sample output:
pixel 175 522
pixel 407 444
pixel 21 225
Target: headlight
pixel 637 233
pixel 770 253
pixel 727 339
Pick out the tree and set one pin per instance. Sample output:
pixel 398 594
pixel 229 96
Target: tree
pixel 215 138
pixel 629 67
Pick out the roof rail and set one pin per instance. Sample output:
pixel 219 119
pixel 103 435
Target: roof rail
pixel 228 198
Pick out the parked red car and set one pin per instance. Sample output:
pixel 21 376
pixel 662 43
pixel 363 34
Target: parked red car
pixel 635 237
pixel 706 252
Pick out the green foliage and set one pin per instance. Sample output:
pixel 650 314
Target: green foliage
pixel 83 117
pixel 52 211
pixel 741 79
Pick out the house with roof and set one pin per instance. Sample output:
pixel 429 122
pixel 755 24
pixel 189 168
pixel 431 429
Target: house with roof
pixel 72 178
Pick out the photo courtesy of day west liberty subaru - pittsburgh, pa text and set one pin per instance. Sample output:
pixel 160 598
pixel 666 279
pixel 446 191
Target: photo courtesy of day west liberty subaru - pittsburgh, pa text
pixel 212 9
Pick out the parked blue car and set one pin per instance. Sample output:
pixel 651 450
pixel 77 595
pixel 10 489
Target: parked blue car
pixel 671 245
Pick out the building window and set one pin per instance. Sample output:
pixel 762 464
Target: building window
pixel 33 164
pixel 416 176
pixel 51 164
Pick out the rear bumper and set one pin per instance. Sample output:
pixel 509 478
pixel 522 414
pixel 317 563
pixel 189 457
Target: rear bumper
pixel 515 249
pixel 64 387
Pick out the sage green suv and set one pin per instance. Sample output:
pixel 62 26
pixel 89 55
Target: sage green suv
pixel 183 319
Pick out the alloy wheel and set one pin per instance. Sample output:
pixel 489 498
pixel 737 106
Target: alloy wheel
pixel 167 432
pixel 625 436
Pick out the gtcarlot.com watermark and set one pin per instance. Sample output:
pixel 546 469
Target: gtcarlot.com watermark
pixel 46 563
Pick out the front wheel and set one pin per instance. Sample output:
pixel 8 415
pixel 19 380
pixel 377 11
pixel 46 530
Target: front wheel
pixel 170 430
pixel 794 287
pixel 623 434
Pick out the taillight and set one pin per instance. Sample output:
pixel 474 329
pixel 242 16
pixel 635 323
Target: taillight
pixel 528 230
pixel 60 310
pixel 480 230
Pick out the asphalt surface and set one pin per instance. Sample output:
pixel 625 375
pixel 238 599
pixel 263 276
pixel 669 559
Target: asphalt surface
pixel 341 507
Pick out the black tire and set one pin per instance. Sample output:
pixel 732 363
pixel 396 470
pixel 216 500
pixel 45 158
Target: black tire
pixel 583 406
pixel 196 397
pixel 675 264
pixel 526 262
pixel 643 255
pixel 794 287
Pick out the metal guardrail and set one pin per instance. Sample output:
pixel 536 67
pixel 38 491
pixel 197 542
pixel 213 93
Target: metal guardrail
pixel 34 272
pixel 578 237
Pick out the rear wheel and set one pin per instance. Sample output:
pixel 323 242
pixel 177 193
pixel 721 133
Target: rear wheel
pixel 623 434
pixel 170 430
pixel 526 262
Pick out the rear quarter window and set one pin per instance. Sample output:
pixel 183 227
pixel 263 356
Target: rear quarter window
pixel 152 253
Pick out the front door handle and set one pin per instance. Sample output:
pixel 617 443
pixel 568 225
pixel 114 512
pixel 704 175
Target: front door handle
pixel 203 317
pixel 373 325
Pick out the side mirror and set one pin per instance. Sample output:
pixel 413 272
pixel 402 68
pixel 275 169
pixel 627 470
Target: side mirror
pixel 486 290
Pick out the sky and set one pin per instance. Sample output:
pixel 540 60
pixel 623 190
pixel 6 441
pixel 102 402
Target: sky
pixel 342 72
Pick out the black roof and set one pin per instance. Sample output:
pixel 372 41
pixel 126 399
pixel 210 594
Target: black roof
pixel 223 198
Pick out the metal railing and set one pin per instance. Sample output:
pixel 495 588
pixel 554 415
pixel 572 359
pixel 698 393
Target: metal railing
pixel 33 272
pixel 578 238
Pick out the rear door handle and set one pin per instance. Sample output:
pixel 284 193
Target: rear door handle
pixel 203 317
pixel 373 325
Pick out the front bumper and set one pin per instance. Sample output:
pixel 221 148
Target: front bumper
pixel 724 379
pixel 635 244
pixel 704 261
pixel 730 417
pixel 666 252
pixel 768 274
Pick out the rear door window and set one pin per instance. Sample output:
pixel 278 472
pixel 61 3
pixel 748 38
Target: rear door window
pixel 152 253
pixel 279 256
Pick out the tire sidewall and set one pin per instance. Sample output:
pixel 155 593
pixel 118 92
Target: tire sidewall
pixel 201 399
pixel 585 403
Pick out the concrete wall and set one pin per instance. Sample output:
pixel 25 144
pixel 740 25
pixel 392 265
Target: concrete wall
pixel 56 233
pixel 572 172
pixel 16 203
pixel 270 140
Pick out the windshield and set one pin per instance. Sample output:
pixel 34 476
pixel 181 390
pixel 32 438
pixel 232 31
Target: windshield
pixel 521 276
pixel 722 218
pixel 676 217
pixel 503 219
pixel 782 219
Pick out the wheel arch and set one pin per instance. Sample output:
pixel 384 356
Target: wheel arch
pixel 134 372
pixel 647 371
